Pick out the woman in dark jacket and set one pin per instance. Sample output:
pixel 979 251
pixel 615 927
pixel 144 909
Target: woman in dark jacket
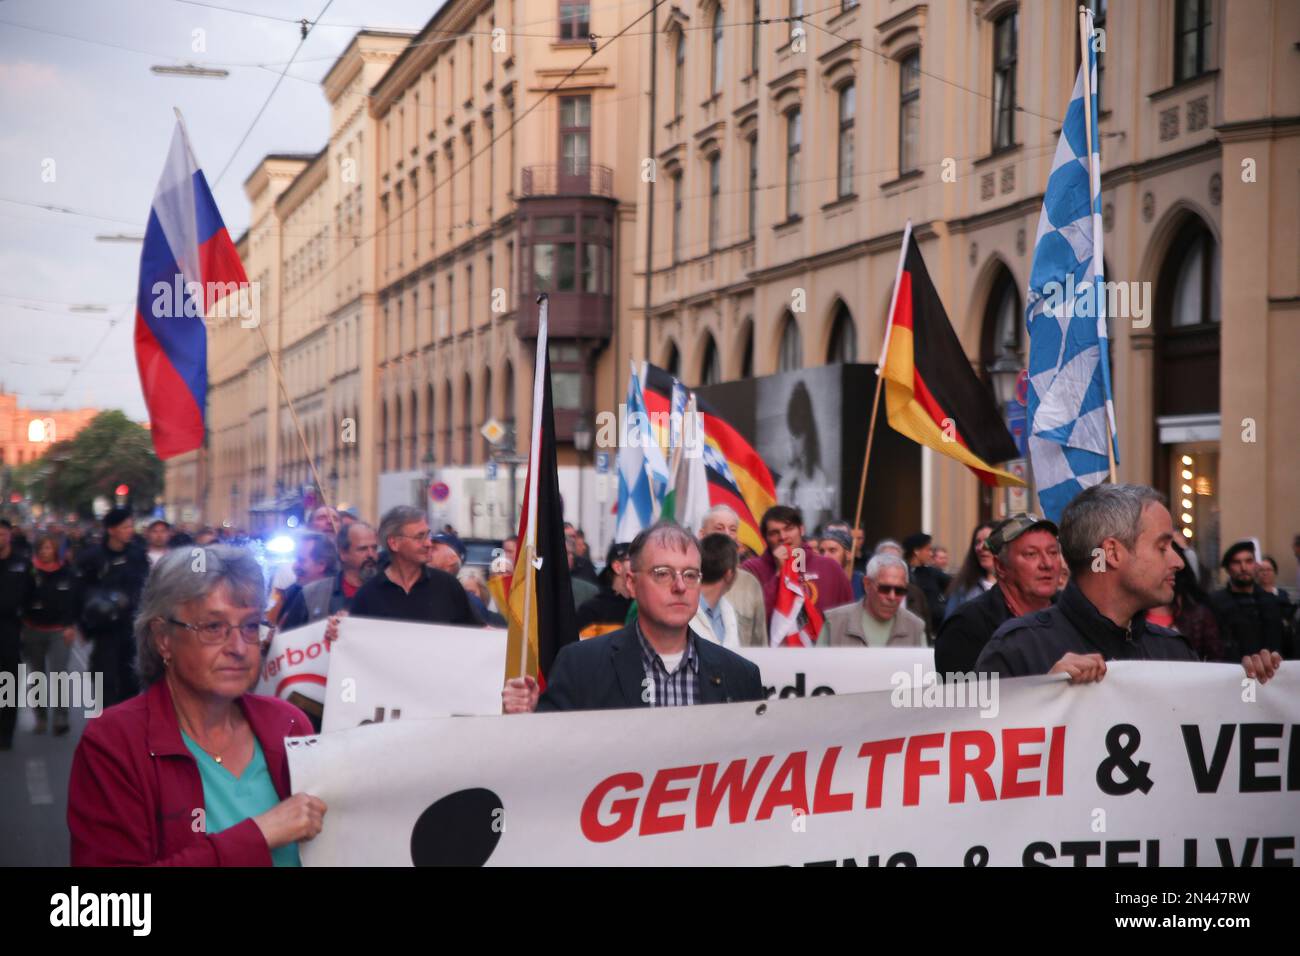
pixel 193 771
pixel 49 623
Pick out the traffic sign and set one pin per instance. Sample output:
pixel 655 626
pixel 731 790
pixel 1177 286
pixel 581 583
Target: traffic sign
pixel 439 491
pixel 490 469
pixel 602 462
pixel 1022 387
pixel 493 431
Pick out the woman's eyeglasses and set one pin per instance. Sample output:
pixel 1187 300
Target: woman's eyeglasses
pixel 216 632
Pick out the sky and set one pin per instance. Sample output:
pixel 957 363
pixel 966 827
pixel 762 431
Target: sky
pixel 85 126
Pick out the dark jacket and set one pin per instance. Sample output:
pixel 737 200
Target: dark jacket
pixel 1249 622
pixel 1034 643
pixel 16 585
pixel 313 602
pixel 111 582
pixel 135 786
pixel 965 632
pixel 606 672
pixel 607 607
pixel 934 585
pixel 54 600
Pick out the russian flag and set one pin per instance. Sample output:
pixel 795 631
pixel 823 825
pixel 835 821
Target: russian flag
pixel 188 264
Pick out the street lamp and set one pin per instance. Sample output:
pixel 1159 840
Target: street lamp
pixel 1003 372
pixel 582 436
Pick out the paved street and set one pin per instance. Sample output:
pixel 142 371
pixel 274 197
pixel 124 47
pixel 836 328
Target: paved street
pixel 34 794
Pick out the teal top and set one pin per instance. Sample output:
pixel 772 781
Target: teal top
pixel 228 799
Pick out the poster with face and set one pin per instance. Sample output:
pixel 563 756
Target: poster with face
pixel 799 438
pixel 810 427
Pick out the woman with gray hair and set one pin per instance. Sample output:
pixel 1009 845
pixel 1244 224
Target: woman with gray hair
pixel 193 771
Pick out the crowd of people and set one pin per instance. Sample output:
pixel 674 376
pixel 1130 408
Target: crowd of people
pixel 179 638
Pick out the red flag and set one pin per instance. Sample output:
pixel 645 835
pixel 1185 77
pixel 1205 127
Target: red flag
pixel 796 621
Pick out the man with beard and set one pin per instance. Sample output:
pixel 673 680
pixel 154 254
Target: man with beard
pixel 358 558
pixel 1250 618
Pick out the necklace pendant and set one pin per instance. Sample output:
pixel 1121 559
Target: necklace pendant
pixel 217 758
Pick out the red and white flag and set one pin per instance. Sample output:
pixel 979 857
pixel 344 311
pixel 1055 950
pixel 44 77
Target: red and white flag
pixel 796 621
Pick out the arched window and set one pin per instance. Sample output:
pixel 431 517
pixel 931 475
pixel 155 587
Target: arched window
pixel 844 337
pixel 790 356
pixel 413 448
pixel 508 394
pixel 717 50
pixel 428 420
pixel 467 423
pixel 487 408
pixel 1187 319
pixel 679 74
pixel 1002 336
pixel 383 436
pixel 747 350
pixel 449 421
pixel 397 433
pixel 674 362
pixel 711 366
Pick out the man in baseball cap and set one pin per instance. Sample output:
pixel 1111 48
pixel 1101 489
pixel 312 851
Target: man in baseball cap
pixel 1027 562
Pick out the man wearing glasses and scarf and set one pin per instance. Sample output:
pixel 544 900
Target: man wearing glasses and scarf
pixel 654 662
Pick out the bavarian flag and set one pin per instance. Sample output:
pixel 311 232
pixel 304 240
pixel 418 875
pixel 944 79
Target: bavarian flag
pixel 931 393
pixel 737 475
pixel 541 614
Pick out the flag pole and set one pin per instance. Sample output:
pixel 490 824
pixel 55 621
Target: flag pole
pixel 880 381
pixel 1094 185
pixel 529 545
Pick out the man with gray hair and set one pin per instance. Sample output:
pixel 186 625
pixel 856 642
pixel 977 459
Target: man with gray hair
pixel 1118 543
pixel 880 619
pixel 746 594
pixel 407 590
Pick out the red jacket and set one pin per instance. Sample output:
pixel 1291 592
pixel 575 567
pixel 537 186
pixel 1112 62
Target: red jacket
pixel 135 786
pixel 831 586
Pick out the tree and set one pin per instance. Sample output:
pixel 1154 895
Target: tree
pixel 112 450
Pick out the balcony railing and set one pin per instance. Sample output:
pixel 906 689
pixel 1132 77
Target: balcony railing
pixel 565 179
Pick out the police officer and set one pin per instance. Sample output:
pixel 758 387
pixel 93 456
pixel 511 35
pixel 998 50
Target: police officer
pixel 15 590
pixel 112 577
pixel 1118 542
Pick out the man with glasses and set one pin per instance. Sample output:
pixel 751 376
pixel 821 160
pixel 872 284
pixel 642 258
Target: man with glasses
pixel 880 620
pixel 409 590
pixel 1027 562
pixel 654 662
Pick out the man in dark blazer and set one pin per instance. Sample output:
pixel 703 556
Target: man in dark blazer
pixel 654 662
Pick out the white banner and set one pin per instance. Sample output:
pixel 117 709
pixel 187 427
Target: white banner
pixel 1160 763
pixel 296 663
pixel 385 670
pixel 813 671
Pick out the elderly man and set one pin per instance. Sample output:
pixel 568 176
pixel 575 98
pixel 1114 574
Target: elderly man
pixel 1118 541
pixel 447 553
pixel 1027 562
pixel 408 590
pixel 880 619
pixel 656 661
pixel 746 594
pixel 716 618
pixel 915 601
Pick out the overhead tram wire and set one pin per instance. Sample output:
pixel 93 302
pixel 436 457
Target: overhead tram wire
pixel 248 132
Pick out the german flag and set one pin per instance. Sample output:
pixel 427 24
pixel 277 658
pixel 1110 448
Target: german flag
pixel 737 475
pixel 541 615
pixel 932 395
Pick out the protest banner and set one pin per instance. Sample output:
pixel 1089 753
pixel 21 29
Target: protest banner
pixel 1158 764
pixel 297 662
pixel 386 670
pixel 812 671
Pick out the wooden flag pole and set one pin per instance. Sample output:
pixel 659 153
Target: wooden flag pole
pixel 1094 183
pixel 880 381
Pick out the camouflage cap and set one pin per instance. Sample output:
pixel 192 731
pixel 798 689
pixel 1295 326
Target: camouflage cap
pixel 1008 529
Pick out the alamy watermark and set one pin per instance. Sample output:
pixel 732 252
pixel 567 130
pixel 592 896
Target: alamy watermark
pixel 228 300
pixel 80 690
pixel 1123 300
pixel 638 429
pixel 967 691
